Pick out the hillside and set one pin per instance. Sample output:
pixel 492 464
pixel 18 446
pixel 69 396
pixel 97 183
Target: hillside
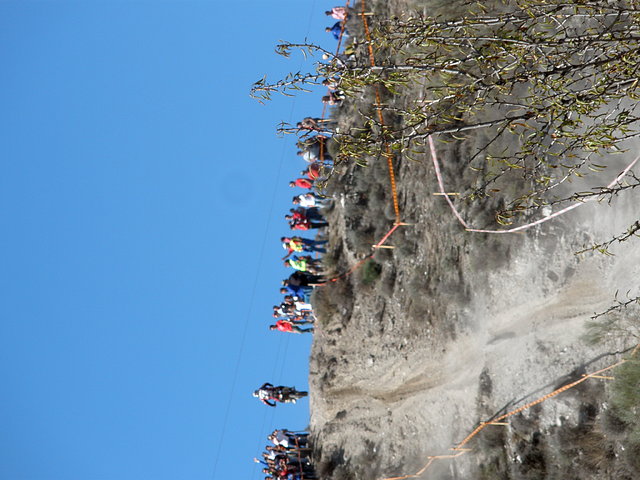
pixel 450 328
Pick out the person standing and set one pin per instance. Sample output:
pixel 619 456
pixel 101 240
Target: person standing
pixel 336 31
pixel 289 327
pixel 302 264
pixel 307 200
pixel 301 183
pixel 339 13
pixel 299 244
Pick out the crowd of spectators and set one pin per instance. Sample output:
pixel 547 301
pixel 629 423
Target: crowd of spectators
pixel 288 458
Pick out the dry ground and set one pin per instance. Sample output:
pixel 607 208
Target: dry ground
pixel 456 326
pixel 459 326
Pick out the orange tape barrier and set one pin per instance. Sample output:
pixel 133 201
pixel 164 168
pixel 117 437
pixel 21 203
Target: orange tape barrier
pixel 299 459
pixel 388 154
pixel 361 262
pixel 343 25
pixel 387 235
pixel 436 166
pixel 459 447
pixel 348 272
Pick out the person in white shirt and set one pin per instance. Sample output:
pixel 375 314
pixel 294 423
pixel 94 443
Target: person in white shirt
pixel 309 200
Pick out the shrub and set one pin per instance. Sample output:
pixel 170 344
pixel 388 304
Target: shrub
pixel 370 272
pixel 625 399
pixel 625 406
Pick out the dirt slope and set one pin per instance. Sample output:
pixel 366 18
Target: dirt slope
pixel 457 327
pixel 454 327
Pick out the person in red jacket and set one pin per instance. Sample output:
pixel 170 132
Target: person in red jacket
pixel 312 171
pixel 302 183
pixel 296 214
pixel 303 223
pixel 289 327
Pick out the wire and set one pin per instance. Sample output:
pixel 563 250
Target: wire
pixel 250 305
pixel 253 293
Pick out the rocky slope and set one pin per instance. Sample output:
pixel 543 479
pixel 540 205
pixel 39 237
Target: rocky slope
pixel 450 328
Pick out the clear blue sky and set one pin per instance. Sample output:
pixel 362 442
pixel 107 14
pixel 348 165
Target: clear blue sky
pixel 142 196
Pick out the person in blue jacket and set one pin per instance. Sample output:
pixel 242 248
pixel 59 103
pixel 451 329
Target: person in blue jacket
pixel 296 291
pixel 336 29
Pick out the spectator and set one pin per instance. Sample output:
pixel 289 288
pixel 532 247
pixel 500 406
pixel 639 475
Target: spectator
pixel 332 84
pixel 303 264
pixel 334 98
pixel 337 30
pixel 339 13
pixel 296 291
pixel 301 182
pixel 289 327
pixel 308 200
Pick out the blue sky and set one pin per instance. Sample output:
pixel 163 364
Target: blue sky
pixel 142 197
